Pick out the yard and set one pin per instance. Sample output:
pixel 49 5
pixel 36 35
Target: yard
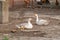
pixel 20 15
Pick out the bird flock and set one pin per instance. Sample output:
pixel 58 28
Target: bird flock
pixel 29 25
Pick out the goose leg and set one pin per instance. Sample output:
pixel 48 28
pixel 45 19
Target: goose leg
pixel 22 28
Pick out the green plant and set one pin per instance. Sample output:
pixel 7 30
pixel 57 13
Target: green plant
pixel 5 38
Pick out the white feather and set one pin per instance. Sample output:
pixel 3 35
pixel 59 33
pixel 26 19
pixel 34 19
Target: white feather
pixel 27 25
pixel 17 26
pixel 41 21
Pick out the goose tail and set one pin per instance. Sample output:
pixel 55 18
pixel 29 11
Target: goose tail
pixel 17 26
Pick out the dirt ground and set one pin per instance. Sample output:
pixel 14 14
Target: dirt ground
pixel 21 15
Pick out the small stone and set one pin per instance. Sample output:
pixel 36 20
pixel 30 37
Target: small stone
pixel 13 31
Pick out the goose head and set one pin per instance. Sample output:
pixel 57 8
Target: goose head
pixel 30 19
pixel 36 15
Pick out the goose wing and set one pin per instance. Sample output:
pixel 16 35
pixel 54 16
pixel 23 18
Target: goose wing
pixel 22 24
pixel 41 22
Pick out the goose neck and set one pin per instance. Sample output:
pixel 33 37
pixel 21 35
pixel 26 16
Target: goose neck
pixel 29 22
pixel 37 18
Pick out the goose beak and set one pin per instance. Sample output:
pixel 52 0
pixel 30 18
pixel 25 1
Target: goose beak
pixel 35 15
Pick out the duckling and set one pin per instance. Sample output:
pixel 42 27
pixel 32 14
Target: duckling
pixel 41 21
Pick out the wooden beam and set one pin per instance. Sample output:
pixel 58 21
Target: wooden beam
pixel 4 11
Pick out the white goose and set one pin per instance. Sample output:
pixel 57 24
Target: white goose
pixel 41 21
pixel 27 25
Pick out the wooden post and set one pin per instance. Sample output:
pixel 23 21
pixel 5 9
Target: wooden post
pixel 57 3
pixel 4 11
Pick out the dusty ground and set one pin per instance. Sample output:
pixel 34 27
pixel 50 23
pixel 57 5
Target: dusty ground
pixel 21 15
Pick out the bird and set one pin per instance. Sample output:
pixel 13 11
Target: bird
pixel 27 25
pixel 41 21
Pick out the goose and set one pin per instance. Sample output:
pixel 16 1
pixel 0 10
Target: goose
pixel 41 21
pixel 27 25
